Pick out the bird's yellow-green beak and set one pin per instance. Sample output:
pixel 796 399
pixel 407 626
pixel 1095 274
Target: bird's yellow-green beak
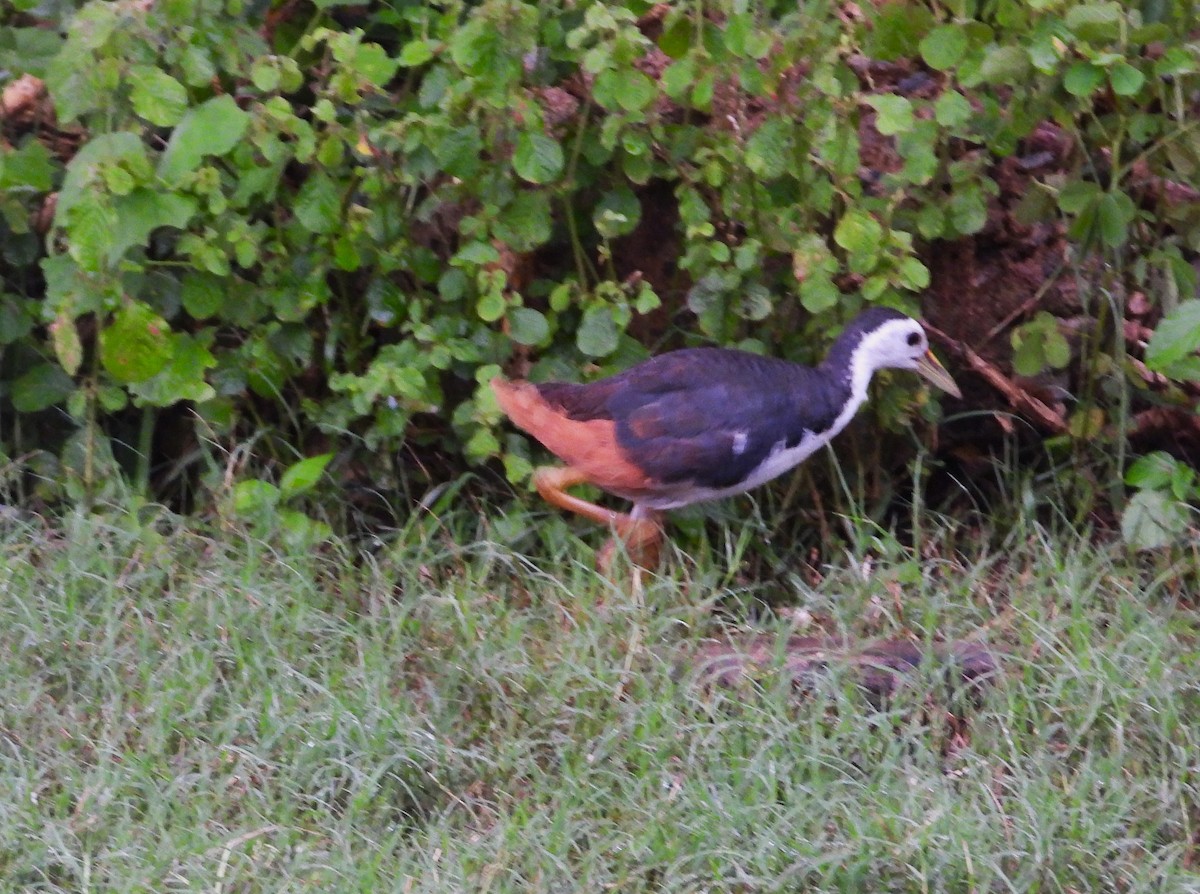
pixel 934 373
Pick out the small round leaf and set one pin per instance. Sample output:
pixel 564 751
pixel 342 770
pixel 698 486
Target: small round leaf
pixel 537 158
pixel 135 345
pixel 944 47
pixel 527 326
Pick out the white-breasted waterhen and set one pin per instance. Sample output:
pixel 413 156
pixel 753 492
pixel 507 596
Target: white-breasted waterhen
pixel 702 423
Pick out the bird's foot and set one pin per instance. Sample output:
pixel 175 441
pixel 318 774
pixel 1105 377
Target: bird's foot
pixel 640 531
pixel 642 539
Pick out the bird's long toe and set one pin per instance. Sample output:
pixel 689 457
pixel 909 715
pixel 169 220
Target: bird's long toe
pixel 640 538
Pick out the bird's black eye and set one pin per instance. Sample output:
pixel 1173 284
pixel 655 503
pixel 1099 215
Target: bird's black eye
pixel 914 338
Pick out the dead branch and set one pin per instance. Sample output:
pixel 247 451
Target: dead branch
pixel 1018 398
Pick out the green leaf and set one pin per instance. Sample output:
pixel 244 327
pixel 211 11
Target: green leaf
pixel 198 67
pixel 476 253
pixel 301 477
pixel 1004 65
pixel 676 37
pixel 617 213
pixel 184 377
pixel 897 30
pixel 479 49
pixel 1077 195
pixel 481 445
pixel 859 233
pixel 112 398
pixel 562 296
pixel 537 157
pixel 265 75
pixel 769 149
pixel 118 180
pixel 968 210
pixel 527 326
pixel 156 96
pixel 914 275
pixel 122 148
pixel 372 63
pixel 918 149
pixel 31 166
pixel 31 49
pixel 931 221
pixel 44 386
pixel 1083 79
pixel 202 294
pixel 69 288
pixel 490 306
pixel 1039 344
pixel 319 204
pixel 839 146
pixel 1097 22
pixel 1125 79
pixel 16 319
pixel 952 109
pixel 214 127
pixel 67 346
pixel 1176 61
pixel 704 90
pixel 1176 337
pixel 1115 213
pixel 944 46
pixel 143 211
pixel 597 335
pixel 415 52
pixel 1154 470
pixel 678 78
pixel 254 497
pixel 709 297
pixel 1152 520
pixel 737 31
pixel 647 299
pixel 136 344
pixel 755 303
pixel 524 224
pixel 623 89
pixel 819 293
pixel 458 151
pixel 301 532
pixel 89 228
pixel 1058 350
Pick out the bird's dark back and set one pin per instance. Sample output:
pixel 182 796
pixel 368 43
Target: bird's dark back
pixel 681 414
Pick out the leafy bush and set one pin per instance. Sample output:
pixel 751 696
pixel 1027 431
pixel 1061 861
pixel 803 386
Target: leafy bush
pixel 337 223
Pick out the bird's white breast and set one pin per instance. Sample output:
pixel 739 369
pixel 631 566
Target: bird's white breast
pixel 781 459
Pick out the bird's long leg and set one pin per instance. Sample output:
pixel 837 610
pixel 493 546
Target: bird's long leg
pixel 552 483
pixel 640 531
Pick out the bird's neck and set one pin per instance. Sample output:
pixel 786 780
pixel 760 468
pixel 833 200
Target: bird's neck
pixel 848 365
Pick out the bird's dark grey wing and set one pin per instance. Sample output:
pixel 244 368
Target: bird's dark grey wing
pixel 711 416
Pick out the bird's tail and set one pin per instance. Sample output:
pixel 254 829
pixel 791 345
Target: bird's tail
pixel 522 403
pixel 588 446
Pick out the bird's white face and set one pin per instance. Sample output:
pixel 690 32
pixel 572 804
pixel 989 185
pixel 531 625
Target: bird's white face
pixel 897 344
pixel 903 344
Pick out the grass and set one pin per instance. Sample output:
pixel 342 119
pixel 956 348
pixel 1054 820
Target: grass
pixel 438 713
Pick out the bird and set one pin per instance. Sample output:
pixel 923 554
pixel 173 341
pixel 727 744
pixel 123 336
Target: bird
pixel 700 424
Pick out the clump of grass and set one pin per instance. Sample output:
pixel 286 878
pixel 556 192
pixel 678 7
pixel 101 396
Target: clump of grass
pixel 183 710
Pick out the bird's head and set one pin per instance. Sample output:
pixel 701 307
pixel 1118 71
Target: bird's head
pixel 886 339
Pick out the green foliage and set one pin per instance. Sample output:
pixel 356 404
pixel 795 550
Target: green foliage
pixel 1038 345
pixel 1158 515
pixel 324 223
pixel 1172 348
pixel 262 506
